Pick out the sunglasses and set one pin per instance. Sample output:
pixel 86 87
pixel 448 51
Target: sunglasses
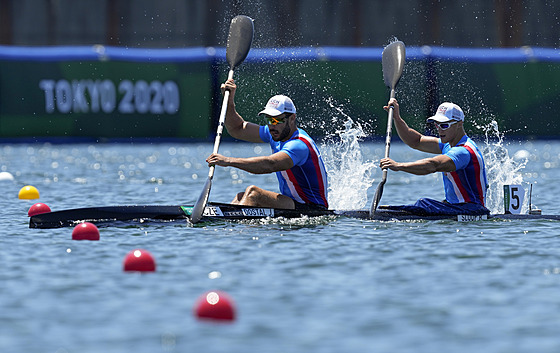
pixel 446 125
pixel 272 120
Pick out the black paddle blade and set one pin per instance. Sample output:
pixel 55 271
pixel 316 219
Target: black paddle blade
pixel 392 61
pixel 200 205
pixel 377 197
pixel 239 40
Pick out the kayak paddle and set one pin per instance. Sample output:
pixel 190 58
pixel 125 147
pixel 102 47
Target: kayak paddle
pixel 392 62
pixel 238 45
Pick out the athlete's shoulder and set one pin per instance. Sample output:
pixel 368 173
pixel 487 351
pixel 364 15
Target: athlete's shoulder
pixel 264 133
pixel 303 134
pixel 470 142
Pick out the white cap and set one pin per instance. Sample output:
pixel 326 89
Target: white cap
pixel 448 111
pixel 278 105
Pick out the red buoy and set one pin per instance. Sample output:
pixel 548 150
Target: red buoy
pixel 215 305
pixel 38 208
pixel 85 231
pixel 139 260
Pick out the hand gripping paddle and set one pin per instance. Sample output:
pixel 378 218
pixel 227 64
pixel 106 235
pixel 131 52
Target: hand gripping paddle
pixel 393 63
pixel 238 45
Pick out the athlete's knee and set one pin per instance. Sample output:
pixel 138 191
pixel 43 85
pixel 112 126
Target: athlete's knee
pixel 252 191
pixel 238 197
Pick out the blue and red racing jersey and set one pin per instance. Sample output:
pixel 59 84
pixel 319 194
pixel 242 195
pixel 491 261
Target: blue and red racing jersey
pixel 468 182
pixel 306 181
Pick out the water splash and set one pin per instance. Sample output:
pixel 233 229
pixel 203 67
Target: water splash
pixel 501 169
pixel 350 176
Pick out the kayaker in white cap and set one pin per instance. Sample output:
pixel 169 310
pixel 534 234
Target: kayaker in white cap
pixel 296 160
pixel 459 160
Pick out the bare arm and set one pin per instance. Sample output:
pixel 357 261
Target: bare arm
pixel 257 165
pixel 235 125
pixel 441 163
pixel 410 136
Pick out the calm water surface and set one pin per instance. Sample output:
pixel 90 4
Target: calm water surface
pixel 310 285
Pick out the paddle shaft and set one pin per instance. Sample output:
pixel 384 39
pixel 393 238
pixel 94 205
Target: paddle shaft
pixel 221 123
pixel 379 190
pixel 389 133
pixel 198 209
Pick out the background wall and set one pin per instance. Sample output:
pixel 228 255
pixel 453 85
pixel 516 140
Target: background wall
pixel 102 92
pixel 97 71
pixel 186 23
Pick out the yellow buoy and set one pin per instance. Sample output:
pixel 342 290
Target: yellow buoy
pixel 28 192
